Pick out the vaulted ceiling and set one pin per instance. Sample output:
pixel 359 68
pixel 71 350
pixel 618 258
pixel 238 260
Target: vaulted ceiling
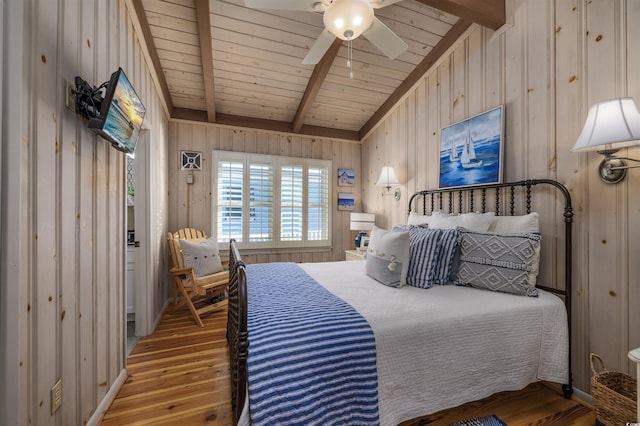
pixel 218 61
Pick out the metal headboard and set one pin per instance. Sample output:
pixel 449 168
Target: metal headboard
pixel 506 200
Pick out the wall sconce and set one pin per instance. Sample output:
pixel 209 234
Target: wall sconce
pixel 388 179
pixel 362 222
pixel 611 125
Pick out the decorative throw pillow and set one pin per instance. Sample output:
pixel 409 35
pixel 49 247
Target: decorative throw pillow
pixel 418 219
pixel 388 257
pixel 202 256
pixel 473 221
pixel 405 228
pixel 515 224
pixel 424 254
pixel 448 244
pixel 505 263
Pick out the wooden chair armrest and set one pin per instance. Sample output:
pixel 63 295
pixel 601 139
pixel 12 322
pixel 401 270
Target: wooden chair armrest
pixel 181 271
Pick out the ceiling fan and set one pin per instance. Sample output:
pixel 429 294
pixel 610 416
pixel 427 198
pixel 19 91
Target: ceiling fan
pixel 345 19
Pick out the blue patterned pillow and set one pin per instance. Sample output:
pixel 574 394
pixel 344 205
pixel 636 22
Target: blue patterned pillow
pixel 424 251
pixel 448 244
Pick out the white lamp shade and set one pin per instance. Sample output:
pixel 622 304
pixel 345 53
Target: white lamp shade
pixel 347 19
pixel 611 124
pixel 387 177
pixel 362 221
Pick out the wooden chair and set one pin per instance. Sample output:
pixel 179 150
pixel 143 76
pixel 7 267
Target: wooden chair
pixel 189 289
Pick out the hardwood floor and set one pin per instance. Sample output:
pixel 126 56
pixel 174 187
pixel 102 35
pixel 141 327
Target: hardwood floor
pixel 180 376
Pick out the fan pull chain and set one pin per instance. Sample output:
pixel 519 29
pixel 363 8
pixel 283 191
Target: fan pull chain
pixel 349 58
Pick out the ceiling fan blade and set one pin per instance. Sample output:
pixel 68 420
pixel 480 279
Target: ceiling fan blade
pixel 385 39
pixel 319 48
pixel 377 4
pixel 306 5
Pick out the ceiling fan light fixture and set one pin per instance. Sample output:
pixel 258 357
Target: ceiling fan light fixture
pixel 347 19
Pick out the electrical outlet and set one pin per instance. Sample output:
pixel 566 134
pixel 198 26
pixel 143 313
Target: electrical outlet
pixel 56 396
pixel 70 97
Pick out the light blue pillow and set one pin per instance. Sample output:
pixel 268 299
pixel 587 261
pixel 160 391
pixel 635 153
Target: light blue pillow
pixel 388 257
pixel 424 252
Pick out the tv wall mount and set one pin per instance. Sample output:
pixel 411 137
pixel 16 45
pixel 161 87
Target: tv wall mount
pixel 88 98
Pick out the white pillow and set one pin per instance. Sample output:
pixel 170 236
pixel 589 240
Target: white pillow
pixel 515 224
pixel 478 222
pixel 202 256
pixel 388 257
pixel 418 219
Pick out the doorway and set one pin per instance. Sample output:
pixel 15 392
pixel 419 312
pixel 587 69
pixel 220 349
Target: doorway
pixel 132 243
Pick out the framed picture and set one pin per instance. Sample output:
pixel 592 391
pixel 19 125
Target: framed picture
pixel 345 201
pixel 364 244
pixel 471 150
pixel 345 177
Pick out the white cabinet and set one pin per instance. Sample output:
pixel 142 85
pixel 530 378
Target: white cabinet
pixel 634 356
pixel 130 280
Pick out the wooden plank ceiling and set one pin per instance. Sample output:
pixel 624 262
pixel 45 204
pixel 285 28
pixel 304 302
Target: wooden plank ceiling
pixel 221 62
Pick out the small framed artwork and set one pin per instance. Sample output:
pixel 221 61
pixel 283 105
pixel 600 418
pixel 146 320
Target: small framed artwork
pixel 345 177
pixel 471 150
pixel 364 243
pixel 191 160
pixel 346 201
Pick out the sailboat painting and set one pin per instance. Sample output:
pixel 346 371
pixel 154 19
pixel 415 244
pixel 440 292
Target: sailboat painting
pixel 471 150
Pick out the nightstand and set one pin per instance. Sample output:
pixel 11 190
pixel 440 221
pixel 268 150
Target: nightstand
pixel 353 255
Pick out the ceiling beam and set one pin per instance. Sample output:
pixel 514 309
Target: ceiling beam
pixel 264 124
pixel 488 13
pixel 419 71
pixel 153 53
pixel 206 51
pixel 315 83
pixel 282 126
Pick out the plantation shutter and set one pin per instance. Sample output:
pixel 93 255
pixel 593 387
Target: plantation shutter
pixel 229 201
pixel 261 202
pixel 271 201
pixel 291 202
pixel 318 204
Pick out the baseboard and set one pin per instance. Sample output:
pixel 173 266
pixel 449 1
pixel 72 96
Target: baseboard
pixel 584 397
pixel 106 402
pixel 159 317
pixel 578 395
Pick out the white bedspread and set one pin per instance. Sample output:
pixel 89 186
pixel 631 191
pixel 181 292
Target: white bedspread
pixel 448 345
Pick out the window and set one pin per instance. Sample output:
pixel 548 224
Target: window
pixel 269 201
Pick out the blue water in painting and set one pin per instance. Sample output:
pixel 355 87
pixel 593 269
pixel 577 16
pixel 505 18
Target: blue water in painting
pixel 452 174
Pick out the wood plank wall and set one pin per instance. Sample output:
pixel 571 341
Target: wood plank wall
pixel 65 213
pixel 551 62
pixel 190 205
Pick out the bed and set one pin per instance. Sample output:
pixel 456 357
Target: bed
pixel 391 354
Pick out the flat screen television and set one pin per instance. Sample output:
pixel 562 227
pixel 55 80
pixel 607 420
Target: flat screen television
pixel 121 114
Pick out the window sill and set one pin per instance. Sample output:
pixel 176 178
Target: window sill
pixel 286 250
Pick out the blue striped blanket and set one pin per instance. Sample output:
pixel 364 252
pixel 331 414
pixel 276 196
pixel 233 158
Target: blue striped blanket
pixel 312 357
